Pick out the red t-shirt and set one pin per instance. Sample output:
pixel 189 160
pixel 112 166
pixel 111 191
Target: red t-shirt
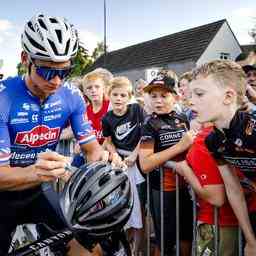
pixel 207 172
pixel 95 119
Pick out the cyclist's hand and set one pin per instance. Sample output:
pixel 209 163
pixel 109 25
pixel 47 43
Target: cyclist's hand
pixel 51 166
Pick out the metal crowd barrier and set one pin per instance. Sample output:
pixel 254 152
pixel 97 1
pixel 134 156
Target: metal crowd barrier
pixel 66 147
pixel 170 164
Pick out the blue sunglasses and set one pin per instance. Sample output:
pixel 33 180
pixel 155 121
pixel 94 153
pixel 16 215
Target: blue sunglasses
pixel 48 73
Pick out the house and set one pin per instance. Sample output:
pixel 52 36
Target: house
pixel 179 51
pixel 248 48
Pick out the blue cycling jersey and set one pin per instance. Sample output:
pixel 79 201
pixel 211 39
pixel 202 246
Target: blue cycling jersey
pixel 28 126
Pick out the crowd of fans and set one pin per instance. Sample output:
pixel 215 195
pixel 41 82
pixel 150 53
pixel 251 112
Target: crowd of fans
pixel 146 124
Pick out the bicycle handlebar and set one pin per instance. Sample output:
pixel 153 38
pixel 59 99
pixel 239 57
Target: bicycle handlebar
pixel 60 237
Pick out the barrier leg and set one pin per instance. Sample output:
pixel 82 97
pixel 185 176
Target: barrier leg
pixel 177 216
pixel 216 232
pixel 162 210
pixel 148 217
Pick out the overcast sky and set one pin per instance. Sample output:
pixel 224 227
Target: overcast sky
pixel 128 21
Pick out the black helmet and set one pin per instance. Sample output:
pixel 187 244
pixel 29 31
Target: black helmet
pixel 97 200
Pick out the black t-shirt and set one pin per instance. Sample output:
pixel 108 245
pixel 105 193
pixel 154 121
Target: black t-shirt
pixel 237 144
pixel 125 131
pixel 164 131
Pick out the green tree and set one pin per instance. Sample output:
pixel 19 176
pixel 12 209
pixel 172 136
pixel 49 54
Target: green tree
pixel 82 62
pixel 252 32
pixel 98 51
pixel 21 69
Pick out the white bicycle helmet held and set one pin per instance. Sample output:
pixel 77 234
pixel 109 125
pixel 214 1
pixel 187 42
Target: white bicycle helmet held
pixel 49 38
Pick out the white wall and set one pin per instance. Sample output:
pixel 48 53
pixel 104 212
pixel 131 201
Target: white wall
pixel 224 41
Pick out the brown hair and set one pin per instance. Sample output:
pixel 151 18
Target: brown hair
pixel 226 73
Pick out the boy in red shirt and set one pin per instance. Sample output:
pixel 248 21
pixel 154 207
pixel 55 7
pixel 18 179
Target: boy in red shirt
pixel 205 179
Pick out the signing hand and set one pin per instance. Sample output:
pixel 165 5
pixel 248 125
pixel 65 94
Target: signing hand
pixel 51 166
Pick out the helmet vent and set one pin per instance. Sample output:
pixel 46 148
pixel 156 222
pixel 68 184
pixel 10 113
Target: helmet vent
pixel 59 35
pixel 104 180
pixel 53 47
pixel 26 48
pixel 75 46
pixel 42 24
pixel 52 20
pixel 34 43
pixel 67 46
pixel 31 26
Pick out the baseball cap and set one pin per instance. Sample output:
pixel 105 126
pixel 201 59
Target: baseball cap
pixel 162 81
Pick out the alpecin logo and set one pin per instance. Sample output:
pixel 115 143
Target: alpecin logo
pixel 38 136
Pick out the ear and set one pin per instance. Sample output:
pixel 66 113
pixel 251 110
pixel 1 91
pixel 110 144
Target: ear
pixel 24 59
pixel 230 96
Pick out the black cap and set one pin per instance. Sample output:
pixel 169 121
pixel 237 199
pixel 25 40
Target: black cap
pixel 162 81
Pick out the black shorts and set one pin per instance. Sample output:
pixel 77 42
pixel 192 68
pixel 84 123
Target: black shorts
pixel 28 206
pixel 186 218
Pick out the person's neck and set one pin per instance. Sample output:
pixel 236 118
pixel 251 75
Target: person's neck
pixel 121 112
pixel 97 105
pixel 224 121
pixel 35 91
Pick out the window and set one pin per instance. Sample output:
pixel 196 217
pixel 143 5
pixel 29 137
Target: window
pixel 224 56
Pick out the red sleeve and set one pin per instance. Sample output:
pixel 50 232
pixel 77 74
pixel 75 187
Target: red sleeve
pixel 204 165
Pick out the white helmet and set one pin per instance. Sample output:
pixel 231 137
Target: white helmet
pixel 49 38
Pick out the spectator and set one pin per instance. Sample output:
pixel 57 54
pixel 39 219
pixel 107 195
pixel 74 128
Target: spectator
pixel 122 132
pixel 95 87
pixel 218 89
pixel 201 171
pixel 163 139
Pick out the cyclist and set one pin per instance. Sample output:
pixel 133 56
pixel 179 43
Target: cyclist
pixel 34 110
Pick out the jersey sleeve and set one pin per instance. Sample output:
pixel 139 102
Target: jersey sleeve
pixel 204 165
pixel 82 129
pixel 147 131
pixel 5 152
pixel 214 143
pixel 106 128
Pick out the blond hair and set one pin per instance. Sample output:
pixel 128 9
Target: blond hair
pixel 187 76
pixel 227 73
pixel 98 73
pixel 121 82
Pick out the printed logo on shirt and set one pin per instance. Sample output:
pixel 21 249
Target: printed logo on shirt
pixel 250 126
pixel 26 106
pixel 124 130
pixel 38 136
pixel 20 120
pixel 21 114
pixel 2 87
pixel 51 117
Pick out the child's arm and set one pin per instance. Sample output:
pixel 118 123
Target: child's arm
pixel 213 194
pixel 238 203
pixel 131 159
pixel 115 159
pixel 150 160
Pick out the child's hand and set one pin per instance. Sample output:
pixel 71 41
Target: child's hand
pixel 117 161
pixel 130 160
pixel 187 140
pixel 77 148
pixel 180 167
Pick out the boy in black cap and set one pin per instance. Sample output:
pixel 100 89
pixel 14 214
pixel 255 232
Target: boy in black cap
pixel 165 136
